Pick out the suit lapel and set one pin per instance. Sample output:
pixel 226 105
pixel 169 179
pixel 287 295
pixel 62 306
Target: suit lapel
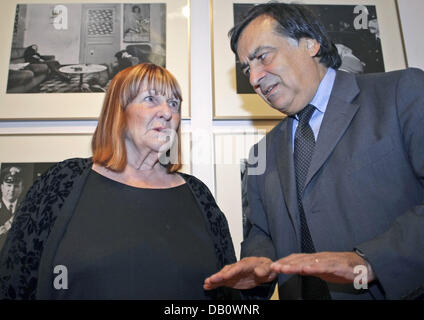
pixel 285 166
pixel 340 112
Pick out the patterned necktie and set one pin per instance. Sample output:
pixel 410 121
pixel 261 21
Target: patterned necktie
pixel 304 144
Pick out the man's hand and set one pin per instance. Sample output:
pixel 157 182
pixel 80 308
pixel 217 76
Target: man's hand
pixel 245 274
pixel 335 267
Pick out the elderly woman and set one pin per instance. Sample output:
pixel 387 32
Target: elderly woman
pixel 123 224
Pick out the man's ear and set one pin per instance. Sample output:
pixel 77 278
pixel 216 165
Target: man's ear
pixel 309 43
pixel 312 46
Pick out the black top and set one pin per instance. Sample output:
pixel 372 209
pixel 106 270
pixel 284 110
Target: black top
pixel 134 243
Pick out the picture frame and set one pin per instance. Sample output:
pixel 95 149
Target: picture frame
pixel 228 104
pixel 232 146
pixel 77 105
pixel 50 147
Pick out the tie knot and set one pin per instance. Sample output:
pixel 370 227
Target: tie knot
pixel 306 113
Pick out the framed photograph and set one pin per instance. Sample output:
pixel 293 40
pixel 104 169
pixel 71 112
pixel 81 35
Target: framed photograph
pixel 59 57
pixel 231 161
pixel 15 180
pixel 367 35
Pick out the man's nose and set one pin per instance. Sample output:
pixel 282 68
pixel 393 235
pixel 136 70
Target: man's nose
pixel 255 76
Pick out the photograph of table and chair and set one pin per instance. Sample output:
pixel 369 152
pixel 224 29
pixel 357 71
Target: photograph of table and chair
pixel 84 69
pixel 79 47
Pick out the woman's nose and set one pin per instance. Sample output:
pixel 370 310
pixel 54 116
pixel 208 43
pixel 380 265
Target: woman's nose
pixel 165 110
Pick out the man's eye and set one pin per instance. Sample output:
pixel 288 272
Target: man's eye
pixel 246 71
pixel 262 56
pixel 148 98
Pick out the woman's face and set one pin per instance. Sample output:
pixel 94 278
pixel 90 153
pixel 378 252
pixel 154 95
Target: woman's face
pixel 152 121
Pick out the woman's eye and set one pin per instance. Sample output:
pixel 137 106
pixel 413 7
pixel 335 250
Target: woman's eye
pixel 174 104
pixel 148 99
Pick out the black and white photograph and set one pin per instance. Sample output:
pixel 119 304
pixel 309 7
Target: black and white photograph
pixel 15 180
pixel 136 22
pixel 354 30
pixel 79 47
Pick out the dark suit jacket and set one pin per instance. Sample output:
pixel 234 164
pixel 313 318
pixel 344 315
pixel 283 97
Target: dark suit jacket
pixel 5 214
pixel 365 186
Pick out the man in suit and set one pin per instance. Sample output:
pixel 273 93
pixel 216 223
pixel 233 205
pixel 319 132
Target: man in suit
pixel 11 190
pixel 338 212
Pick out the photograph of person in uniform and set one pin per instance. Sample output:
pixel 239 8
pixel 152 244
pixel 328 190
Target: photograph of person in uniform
pixel 11 191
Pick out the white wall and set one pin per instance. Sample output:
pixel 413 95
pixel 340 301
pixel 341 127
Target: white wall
pixel 412 20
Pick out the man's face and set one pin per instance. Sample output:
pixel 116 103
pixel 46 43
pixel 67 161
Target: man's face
pixel 281 70
pixel 11 191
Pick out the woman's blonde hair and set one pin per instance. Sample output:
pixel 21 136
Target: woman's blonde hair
pixel 108 143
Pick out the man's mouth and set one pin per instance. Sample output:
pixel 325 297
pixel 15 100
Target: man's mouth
pixel 268 90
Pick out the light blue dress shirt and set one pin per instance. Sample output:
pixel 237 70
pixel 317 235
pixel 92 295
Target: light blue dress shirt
pixel 320 101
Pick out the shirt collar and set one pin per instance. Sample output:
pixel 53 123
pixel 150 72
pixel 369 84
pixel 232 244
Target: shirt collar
pixel 7 203
pixel 322 96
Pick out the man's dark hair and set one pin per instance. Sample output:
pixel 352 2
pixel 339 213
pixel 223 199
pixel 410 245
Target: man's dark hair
pixel 294 21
